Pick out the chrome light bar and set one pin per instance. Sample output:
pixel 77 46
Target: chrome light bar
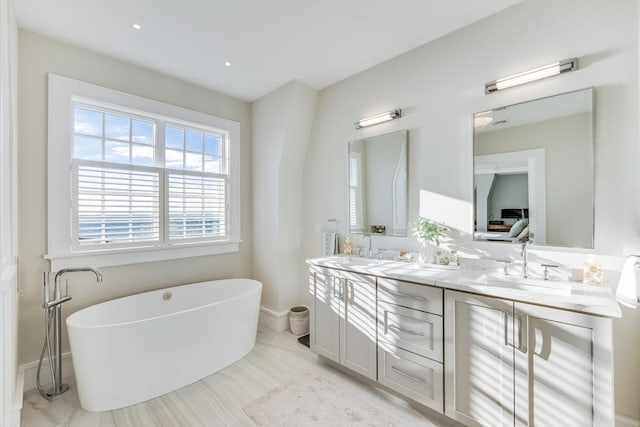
pixel 539 73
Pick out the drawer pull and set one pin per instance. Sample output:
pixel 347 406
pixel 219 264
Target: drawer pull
pixel 399 294
pixel 406 331
pixel 406 375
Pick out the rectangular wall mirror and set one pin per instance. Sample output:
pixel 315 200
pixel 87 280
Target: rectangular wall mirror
pixel 378 185
pixel 534 171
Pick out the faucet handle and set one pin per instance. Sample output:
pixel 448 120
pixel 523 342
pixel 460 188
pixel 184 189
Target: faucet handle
pixel 380 253
pixel 546 270
pixel 505 265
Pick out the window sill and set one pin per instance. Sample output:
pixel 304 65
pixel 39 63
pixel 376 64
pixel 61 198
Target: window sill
pixel 139 255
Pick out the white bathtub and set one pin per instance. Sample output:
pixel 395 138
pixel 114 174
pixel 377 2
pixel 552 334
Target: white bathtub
pixel 139 347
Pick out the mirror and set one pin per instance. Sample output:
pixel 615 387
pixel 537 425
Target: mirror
pixel 533 171
pixel 378 185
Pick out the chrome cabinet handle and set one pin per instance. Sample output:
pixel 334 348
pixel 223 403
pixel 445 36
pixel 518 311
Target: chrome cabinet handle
pixel 522 332
pixel 353 294
pixel 399 294
pixel 346 289
pixel 406 375
pixel 337 287
pixel 506 328
pixel 406 331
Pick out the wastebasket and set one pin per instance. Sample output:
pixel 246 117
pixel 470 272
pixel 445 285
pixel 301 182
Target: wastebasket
pixel 299 320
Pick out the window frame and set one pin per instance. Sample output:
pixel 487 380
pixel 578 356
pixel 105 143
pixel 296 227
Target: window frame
pixel 64 94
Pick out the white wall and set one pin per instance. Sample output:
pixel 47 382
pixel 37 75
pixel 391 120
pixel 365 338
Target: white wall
pixel 508 192
pixel 440 85
pixel 282 122
pixel 10 393
pixel 39 55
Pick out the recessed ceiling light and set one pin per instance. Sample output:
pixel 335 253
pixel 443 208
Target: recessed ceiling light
pixel 228 64
pixel 136 26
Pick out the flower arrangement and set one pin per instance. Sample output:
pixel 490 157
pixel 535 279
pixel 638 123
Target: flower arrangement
pixel 427 230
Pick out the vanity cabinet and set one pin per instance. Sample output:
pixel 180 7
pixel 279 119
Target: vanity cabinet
pixel 480 360
pixel 343 321
pixel 510 363
pixel 410 341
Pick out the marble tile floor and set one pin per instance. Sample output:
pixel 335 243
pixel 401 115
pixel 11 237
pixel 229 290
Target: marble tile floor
pixel 219 399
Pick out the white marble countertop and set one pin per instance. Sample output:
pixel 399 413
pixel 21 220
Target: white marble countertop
pixel 485 277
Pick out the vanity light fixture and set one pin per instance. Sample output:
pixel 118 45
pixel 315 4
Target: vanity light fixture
pixel 379 118
pixel 532 75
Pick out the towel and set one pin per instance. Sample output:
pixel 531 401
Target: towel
pixel 329 244
pixel 629 285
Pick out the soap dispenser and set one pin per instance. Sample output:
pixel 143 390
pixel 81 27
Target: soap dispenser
pixel 347 248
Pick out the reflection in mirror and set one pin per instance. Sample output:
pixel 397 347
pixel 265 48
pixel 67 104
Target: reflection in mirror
pixel 378 185
pixel 533 171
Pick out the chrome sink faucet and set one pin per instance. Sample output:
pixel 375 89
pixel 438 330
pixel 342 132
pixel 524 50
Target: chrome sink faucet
pixel 525 243
pixel 523 254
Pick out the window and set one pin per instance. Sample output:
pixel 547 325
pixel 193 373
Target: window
pixel 356 202
pixel 146 177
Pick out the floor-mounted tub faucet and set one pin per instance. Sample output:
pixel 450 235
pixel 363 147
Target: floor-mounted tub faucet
pixel 53 317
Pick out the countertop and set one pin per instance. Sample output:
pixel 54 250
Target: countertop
pixel 485 277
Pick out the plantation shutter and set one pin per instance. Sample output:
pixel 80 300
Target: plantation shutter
pixel 115 204
pixel 197 205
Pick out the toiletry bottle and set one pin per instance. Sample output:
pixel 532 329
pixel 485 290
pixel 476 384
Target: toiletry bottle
pixel 454 260
pixel 593 275
pixel 347 248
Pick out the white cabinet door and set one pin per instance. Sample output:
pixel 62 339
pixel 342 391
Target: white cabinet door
pixel 479 360
pixel 358 328
pixel 563 374
pixel 326 308
pixel 343 319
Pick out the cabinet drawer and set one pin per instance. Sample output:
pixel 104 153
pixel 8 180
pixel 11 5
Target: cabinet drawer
pixel 411 330
pixel 419 297
pixel 414 376
pixel 346 275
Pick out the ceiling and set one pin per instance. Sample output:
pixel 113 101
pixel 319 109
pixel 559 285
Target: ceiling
pixel 267 42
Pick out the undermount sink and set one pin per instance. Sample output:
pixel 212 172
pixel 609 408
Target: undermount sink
pixel 356 260
pixel 556 287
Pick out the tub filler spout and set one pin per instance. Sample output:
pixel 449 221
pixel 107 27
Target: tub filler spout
pixel 53 320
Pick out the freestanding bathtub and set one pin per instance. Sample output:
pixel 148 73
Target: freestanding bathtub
pixel 135 348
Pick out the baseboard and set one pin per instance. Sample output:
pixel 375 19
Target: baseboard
pixel 278 322
pixel 625 421
pixel 27 372
pixel 15 416
pixel 15 419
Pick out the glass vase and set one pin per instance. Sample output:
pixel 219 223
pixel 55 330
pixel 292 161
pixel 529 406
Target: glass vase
pixel 427 251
